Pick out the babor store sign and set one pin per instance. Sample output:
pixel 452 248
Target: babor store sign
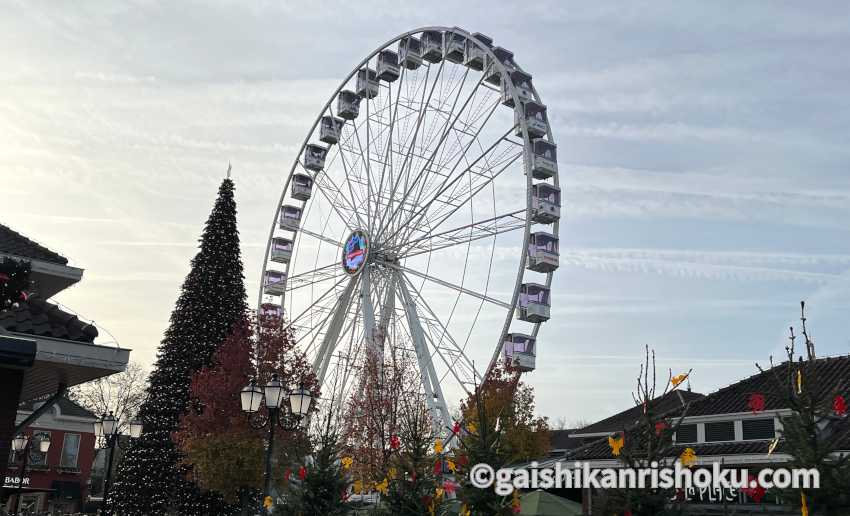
pixel 15 482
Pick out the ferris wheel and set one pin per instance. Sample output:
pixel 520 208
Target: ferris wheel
pixel 421 215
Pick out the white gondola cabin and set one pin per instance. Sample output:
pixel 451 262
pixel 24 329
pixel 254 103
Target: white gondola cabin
pixel 348 105
pixel 520 352
pixel 271 310
pixel 274 283
pixel 330 129
pixel 545 159
pixel 524 89
pixel 281 251
pixel 535 119
pixel 387 68
pixel 454 45
pixel 474 56
pixel 410 52
pixel 314 157
pixel 542 252
pixel 290 217
pixel 545 203
pixel 533 303
pixel 367 83
pixel 506 57
pixel 432 46
pixel 302 186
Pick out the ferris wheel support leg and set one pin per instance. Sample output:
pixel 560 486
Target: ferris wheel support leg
pixel 387 312
pixel 430 381
pixel 323 357
pixel 368 315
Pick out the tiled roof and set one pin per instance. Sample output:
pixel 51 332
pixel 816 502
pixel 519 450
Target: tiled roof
pixel 627 418
pixel 66 407
pixel 561 440
pixel 12 242
pixel 37 317
pixel 831 372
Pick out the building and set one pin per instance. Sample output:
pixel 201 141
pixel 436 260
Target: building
pixel 56 482
pixel 721 427
pixel 44 349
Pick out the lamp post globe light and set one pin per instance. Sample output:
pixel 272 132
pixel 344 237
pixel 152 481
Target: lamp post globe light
pixel 275 395
pixel 108 428
pixel 23 444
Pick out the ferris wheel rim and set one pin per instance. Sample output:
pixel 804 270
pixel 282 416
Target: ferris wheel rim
pixel 526 153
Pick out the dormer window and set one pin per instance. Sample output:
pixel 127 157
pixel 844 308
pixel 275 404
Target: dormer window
pixel 719 431
pixel 686 433
pixel 756 429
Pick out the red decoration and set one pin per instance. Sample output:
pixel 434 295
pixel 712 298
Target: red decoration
pixel 449 486
pixel 839 405
pixel 628 512
pixel 463 460
pixel 660 427
pixel 456 427
pixel 756 402
pixel 4 276
pixel 438 467
pixel 754 490
pixel 395 442
pixel 302 472
pixel 287 474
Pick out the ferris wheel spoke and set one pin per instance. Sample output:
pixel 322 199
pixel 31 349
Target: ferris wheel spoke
pixel 453 204
pixel 447 284
pixel 315 304
pixel 326 185
pixel 426 168
pixel 321 237
pixel 423 110
pixel 336 320
pixel 313 276
pixel 453 350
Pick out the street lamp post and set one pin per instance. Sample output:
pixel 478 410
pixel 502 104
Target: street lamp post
pixel 22 443
pixel 299 404
pixel 108 427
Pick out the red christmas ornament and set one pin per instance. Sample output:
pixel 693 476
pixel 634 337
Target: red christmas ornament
pixel 438 467
pixel 756 402
pixel 754 490
pixel 302 472
pixel 660 427
pixel 456 427
pixel 395 442
pixel 449 486
pixel 839 405
pixel 463 460
pixel 287 474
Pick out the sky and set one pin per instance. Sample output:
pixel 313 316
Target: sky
pixel 704 154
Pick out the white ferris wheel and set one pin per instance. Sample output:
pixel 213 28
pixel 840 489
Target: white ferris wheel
pixel 421 214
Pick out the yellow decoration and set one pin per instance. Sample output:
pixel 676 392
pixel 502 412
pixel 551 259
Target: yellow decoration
pixel 772 446
pixel 347 462
pixel 804 507
pixel 678 379
pixel 383 487
pixel 472 427
pixel 688 457
pixel 452 466
pixel 392 474
pixel 464 511
pixel 438 446
pixel 616 444
pixel 799 381
pixel 438 493
pixel 357 487
pixel 268 502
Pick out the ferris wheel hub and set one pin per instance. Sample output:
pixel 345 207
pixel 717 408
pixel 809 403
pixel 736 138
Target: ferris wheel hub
pixel 355 251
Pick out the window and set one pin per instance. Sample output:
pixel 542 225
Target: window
pixel 758 429
pixel 36 457
pixel 686 433
pixel 721 431
pixel 70 451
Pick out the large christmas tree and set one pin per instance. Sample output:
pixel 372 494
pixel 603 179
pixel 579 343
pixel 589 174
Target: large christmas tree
pixel 151 479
